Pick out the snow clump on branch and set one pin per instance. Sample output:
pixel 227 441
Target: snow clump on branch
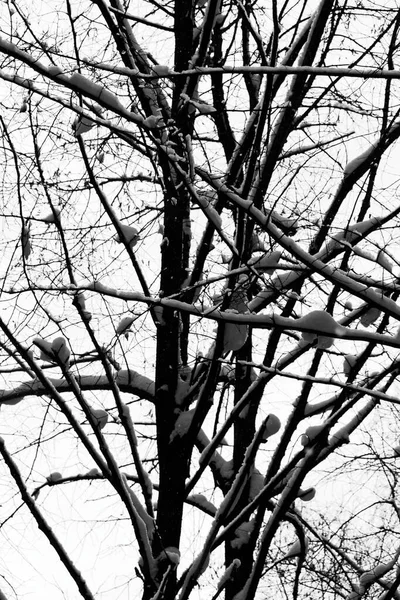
pixel 322 321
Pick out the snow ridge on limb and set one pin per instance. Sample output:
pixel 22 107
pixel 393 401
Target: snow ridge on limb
pixel 128 381
pixel 96 91
pixel 201 502
pixel 235 564
pixel 368 578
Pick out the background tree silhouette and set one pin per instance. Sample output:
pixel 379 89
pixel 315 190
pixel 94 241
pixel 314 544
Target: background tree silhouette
pixel 200 345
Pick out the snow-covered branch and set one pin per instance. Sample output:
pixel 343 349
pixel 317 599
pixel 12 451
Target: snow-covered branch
pixel 128 381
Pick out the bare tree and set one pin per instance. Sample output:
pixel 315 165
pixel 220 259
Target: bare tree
pixel 199 298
